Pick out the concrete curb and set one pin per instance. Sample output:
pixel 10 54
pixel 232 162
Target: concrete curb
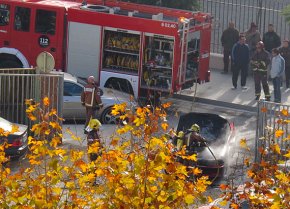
pixel 216 103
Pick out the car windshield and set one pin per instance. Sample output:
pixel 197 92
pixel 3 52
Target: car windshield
pixel 72 89
pixel 5 124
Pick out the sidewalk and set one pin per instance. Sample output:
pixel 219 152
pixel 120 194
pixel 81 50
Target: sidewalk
pixel 219 89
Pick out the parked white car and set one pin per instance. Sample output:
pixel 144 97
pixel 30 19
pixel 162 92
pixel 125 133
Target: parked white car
pixel 17 141
pixel 73 109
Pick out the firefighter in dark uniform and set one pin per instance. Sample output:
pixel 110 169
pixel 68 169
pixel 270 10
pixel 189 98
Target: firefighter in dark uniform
pixel 91 99
pixel 195 139
pixel 194 143
pixel 93 137
pixel 259 63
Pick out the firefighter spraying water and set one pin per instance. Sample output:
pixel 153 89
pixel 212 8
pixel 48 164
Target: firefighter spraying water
pixel 195 144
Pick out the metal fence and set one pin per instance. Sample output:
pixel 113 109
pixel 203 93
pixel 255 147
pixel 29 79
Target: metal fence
pixel 272 121
pixel 242 13
pixel 17 85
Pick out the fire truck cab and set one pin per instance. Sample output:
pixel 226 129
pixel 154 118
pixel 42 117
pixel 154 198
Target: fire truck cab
pixel 135 48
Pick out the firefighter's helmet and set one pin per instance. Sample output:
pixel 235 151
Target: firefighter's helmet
pixel 180 134
pixel 91 79
pixel 195 128
pixel 94 124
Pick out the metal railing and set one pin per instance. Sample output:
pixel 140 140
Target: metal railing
pixel 17 85
pixel 242 13
pixel 272 117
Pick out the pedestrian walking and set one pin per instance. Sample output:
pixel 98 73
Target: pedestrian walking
pixel 240 60
pixel 91 99
pixel 271 39
pixel 285 53
pixel 253 36
pixel 230 36
pixel 259 63
pixel 277 70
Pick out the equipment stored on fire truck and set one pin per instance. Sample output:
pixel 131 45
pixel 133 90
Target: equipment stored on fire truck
pixel 132 47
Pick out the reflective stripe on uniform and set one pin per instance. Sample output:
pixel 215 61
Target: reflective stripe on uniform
pixel 89 89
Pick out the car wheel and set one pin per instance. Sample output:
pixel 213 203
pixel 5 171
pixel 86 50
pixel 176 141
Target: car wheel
pixel 107 117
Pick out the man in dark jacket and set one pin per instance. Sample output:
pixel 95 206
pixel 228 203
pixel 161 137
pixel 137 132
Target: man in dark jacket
pixel 253 36
pixel 91 99
pixel 285 53
pixel 229 37
pixel 259 63
pixel 271 39
pixel 240 59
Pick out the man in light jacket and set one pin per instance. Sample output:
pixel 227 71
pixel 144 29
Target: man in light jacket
pixel 277 70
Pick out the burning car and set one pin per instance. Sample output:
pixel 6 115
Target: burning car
pixel 217 132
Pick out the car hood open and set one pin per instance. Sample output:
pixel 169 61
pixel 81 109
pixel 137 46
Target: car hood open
pixel 212 126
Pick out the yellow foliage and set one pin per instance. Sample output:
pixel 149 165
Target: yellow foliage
pixel 196 171
pixel 15 128
pixel 243 144
pixel 164 126
pixel 285 179
pixel 288 154
pixel 189 199
pixel 276 205
pixel 223 203
pixel 166 105
pixel 284 112
pixel 52 112
pixel 45 101
pixel 279 133
pixel 276 148
pixel 139 171
pixel 235 206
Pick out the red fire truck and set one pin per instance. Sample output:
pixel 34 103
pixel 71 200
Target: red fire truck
pixel 124 45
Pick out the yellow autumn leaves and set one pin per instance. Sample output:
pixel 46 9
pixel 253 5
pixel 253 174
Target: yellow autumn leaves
pixel 136 170
pixel 269 178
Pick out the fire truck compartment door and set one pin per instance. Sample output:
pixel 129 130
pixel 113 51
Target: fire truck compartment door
pixel 204 53
pixel 84 44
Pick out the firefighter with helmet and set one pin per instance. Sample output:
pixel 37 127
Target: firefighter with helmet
pixel 180 140
pixel 93 137
pixel 260 62
pixel 91 99
pixel 194 139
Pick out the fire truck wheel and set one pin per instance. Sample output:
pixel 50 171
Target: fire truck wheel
pixel 10 64
pixel 107 117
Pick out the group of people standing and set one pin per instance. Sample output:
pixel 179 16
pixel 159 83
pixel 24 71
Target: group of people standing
pixel 264 56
